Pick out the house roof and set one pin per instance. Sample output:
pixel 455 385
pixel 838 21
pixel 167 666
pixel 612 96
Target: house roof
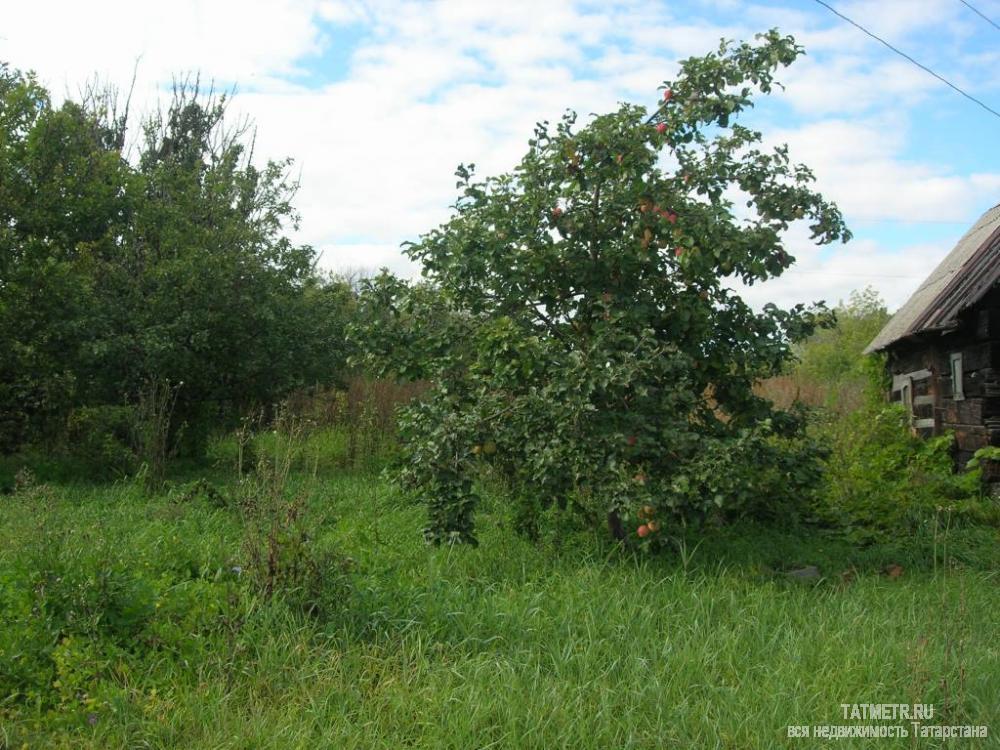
pixel 966 274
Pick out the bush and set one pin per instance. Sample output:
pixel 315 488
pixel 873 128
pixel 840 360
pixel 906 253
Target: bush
pixel 91 312
pixel 882 480
pixel 831 371
pixel 101 437
pixel 63 620
pixel 281 556
pixel 81 614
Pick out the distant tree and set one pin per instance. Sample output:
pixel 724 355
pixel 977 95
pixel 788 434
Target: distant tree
pixel 325 311
pixel 835 353
pixel 408 330
pixel 601 360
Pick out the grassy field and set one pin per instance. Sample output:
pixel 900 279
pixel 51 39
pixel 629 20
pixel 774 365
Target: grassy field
pixel 137 621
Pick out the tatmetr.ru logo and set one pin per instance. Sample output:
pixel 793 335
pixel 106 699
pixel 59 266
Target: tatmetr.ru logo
pixel 888 711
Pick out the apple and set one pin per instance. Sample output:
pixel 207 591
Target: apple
pixel 643 530
pixel 631 440
pixel 661 128
pixel 556 212
pixel 678 251
pixel 649 511
pixel 667 95
pixel 653 526
pixel 640 478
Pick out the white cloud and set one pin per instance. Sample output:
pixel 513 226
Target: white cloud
pixel 860 165
pixel 232 40
pixel 851 84
pixel 818 276
pixel 366 259
pixel 894 19
pixel 432 84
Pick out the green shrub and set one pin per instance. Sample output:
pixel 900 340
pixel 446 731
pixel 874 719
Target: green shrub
pixel 881 479
pixel 282 558
pixel 835 355
pixel 101 437
pixel 78 611
pixel 61 622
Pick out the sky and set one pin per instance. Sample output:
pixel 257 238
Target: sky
pixel 377 103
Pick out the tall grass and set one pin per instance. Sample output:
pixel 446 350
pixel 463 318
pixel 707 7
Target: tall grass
pixel 362 414
pixel 566 643
pixel 840 397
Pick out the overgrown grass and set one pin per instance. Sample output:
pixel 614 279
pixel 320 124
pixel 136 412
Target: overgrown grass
pixel 564 643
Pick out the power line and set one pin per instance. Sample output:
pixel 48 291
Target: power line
pixel 979 13
pixel 904 55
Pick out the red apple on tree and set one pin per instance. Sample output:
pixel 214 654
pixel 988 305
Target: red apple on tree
pixel 689 357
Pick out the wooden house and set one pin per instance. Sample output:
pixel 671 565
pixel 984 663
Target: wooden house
pixel 943 345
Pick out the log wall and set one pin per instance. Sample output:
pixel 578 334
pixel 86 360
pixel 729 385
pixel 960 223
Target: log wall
pixel 975 419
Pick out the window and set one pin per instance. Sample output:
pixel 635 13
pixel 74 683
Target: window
pixel 957 390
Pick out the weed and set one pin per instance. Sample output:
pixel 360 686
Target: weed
pixel 281 555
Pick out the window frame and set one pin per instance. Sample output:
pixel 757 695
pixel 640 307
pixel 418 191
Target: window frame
pixel 957 376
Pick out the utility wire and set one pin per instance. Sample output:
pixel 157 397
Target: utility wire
pixel 903 54
pixel 979 13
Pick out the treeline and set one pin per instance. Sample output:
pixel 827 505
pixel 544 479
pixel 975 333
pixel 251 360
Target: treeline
pixel 148 293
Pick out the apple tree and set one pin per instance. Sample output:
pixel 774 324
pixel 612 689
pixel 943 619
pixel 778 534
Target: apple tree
pixel 594 354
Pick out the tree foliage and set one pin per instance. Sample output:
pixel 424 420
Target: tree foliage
pixel 595 353
pixel 60 204
pixel 119 277
pixel 835 354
